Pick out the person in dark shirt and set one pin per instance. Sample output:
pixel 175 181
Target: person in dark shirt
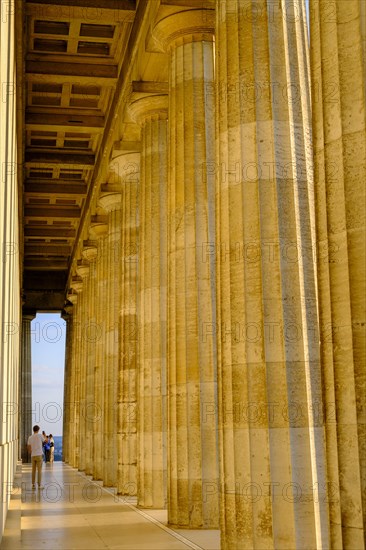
pixel 47 448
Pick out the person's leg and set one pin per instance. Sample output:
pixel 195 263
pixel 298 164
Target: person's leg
pixel 33 470
pixel 39 464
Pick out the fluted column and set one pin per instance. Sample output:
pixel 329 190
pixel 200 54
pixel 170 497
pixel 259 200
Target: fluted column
pixel 192 361
pixel 73 410
pixel 88 359
pixel 86 269
pixel 338 61
pixel 68 318
pixel 151 112
pixel 128 169
pixel 26 385
pixel 78 402
pixel 274 490
pixel 110 201
pixel 98 232
pixel 81 368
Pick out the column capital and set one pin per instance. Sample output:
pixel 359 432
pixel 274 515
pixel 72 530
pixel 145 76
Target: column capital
pixel 185 26
pixel 98 226
pixel 110 198
pixel 82 268
pixel 67 312
pixel 145 106
pixel 90 250
pixel 125 168
pixel 28 315
pixel 72 296
pixel 76 283
pixel 123 147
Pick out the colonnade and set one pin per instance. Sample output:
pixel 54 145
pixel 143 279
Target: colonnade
pixel 213 263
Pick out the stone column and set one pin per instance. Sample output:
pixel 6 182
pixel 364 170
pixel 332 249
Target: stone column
pixel 88 359
pixel 274 492
pixel 67 315
pixel 71 433
pixel 151 113
pixel 338 61
pixel 98 232
pixel 192 362
pixel 77 443
pixel 128 169
pixel 26 385
pixel 81 365
pixel 90 333
pixel 110 201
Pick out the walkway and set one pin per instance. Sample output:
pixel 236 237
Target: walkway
pixel 72 512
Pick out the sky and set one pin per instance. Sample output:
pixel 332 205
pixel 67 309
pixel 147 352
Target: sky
pixel 48 333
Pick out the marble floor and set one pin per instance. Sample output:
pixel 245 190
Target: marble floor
pixel 73 512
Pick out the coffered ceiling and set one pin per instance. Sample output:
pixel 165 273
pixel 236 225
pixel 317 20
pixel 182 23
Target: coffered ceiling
pixel 73 54
pixel 82 61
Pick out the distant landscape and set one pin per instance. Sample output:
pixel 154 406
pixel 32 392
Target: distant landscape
pixel 58 447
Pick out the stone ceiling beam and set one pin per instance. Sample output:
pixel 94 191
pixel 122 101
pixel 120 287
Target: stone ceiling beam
pixel 49 232
pixel 51 212
pixel 106 12
pixel 72 70
pixel 57 187
pixel 54 249
pixel 59 157
pixel 189 3
pixel 50 110
pixel 41 78
pixel 52 119
pixel 45 263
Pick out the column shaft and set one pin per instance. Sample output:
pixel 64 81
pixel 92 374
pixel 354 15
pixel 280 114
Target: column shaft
pixel 271 440
pixel 338 62
pixel 81 373
pixel 129 174
pixel 151 112
pixel 67 384
pixel 91 334
pixel 26 386
pixel 110 200
pixel 74 410
pixel 87 410
pixel 100 301
pixel 192 361
pixel 77 382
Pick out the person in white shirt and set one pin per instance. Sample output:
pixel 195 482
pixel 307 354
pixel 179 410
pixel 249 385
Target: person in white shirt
pixel 35 447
